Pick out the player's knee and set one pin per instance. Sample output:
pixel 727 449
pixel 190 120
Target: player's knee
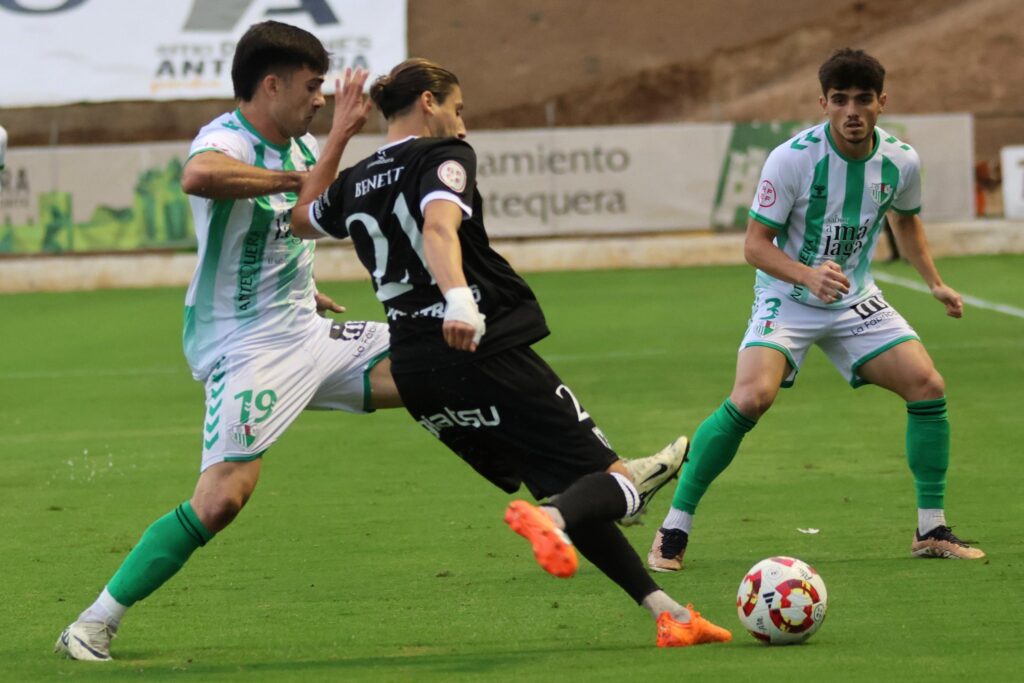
pixel 929 387
pixel 753 402
pixel 218 509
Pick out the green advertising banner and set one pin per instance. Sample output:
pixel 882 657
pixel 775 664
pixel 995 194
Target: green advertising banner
pixel 154 214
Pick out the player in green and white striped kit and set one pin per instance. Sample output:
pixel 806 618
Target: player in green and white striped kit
pixel 812 231
pixel 252 334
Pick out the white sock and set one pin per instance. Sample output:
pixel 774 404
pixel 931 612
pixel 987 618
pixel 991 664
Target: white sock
pixel 105 609
pixel 929 518
pixel 677 519
pixel 659 601
pixel 555 516
pixel 630 492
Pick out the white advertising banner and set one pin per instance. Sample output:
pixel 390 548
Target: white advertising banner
pixel 945 143
pixel 549 182
pixel 62 51
pixel 1011 159
pixel 564 181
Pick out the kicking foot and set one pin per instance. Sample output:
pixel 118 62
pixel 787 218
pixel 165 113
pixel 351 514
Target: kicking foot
pixel 551 547
pixel 86 641
pixel 650 474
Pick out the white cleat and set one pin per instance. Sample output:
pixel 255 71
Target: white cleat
pixel 86 641
pixel 651 473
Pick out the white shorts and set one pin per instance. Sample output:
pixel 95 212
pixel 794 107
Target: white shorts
pixel 849 336
pixel 253 395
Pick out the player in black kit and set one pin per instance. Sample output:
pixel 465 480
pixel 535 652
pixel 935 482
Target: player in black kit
pixel 462 322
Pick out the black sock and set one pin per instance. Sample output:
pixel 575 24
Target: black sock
pixel 596 497
pixel 604 545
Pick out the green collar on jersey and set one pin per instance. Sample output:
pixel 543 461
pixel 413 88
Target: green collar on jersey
pixel 832 144
pixel 280 148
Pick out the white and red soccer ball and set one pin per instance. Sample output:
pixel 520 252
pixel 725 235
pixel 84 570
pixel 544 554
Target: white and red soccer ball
pixel 782 600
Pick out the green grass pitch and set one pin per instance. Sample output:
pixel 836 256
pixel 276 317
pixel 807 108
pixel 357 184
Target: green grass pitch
pixel 369 552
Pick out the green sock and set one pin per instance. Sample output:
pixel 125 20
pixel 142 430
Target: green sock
pixel 928 450
pixel 159 554
pixel 714 445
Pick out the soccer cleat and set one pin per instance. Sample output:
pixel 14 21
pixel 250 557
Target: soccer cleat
pixel 942 542
pixel 551 547
pixel 86 641
pixel 667 550
pixel 653 472
pixel 696 631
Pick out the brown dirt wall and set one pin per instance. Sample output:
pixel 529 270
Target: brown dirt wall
pixel 526 63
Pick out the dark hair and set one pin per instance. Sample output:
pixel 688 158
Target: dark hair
pixel 848 68
pixel 394 94
pixel 273 47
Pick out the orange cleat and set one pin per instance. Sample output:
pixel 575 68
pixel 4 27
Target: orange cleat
pixel 551 547
pixel 697 631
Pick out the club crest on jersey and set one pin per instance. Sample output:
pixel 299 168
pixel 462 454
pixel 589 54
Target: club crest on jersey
pixel 881 192
pixel 765 328
pixel 766 194
pixel 453 175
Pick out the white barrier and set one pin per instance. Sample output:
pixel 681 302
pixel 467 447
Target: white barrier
pixel 1011 159
pixel 549 182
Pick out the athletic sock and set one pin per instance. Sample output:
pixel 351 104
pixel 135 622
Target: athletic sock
pixel 604 545
pixel 928 450
pixel 659 601
pixel 159 554
pixel 595 497
pixel 714 445
pixel 929 518
pixel 105 609
pixel 678 519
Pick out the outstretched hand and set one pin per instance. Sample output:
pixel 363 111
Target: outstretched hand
pixel 951 298
pixel 828 283
pixel 351 106
pixel 325 303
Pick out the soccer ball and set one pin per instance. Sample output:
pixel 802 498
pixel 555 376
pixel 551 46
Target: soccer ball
pixel 782 600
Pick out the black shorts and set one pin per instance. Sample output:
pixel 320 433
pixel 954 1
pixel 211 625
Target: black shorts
pixel 511 418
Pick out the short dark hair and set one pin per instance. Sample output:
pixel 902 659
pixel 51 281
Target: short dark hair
pixel 394 94
pixel 273 47
pixel 849 68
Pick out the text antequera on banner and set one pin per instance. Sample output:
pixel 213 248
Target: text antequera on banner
pixel 107 50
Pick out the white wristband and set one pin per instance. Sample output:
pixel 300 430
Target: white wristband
pixel 461 306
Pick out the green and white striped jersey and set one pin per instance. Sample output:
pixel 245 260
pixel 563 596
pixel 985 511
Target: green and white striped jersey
pixel 253 284
pixel 825 206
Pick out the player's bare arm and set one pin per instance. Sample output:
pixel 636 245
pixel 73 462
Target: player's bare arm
pixel 826 281
pixel 351 108
pixel 215 175
pixel 909 233
pixel 463 324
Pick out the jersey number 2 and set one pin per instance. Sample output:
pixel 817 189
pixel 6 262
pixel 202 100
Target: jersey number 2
pixel 562 391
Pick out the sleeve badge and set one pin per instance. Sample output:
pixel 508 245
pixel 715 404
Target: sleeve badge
pixel 453 175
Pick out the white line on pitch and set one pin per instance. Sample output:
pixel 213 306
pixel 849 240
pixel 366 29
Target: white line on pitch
pixel 94 372
pixel 972 300
pixel 565 357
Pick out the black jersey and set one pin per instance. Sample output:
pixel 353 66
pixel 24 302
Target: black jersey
pixel 379 204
